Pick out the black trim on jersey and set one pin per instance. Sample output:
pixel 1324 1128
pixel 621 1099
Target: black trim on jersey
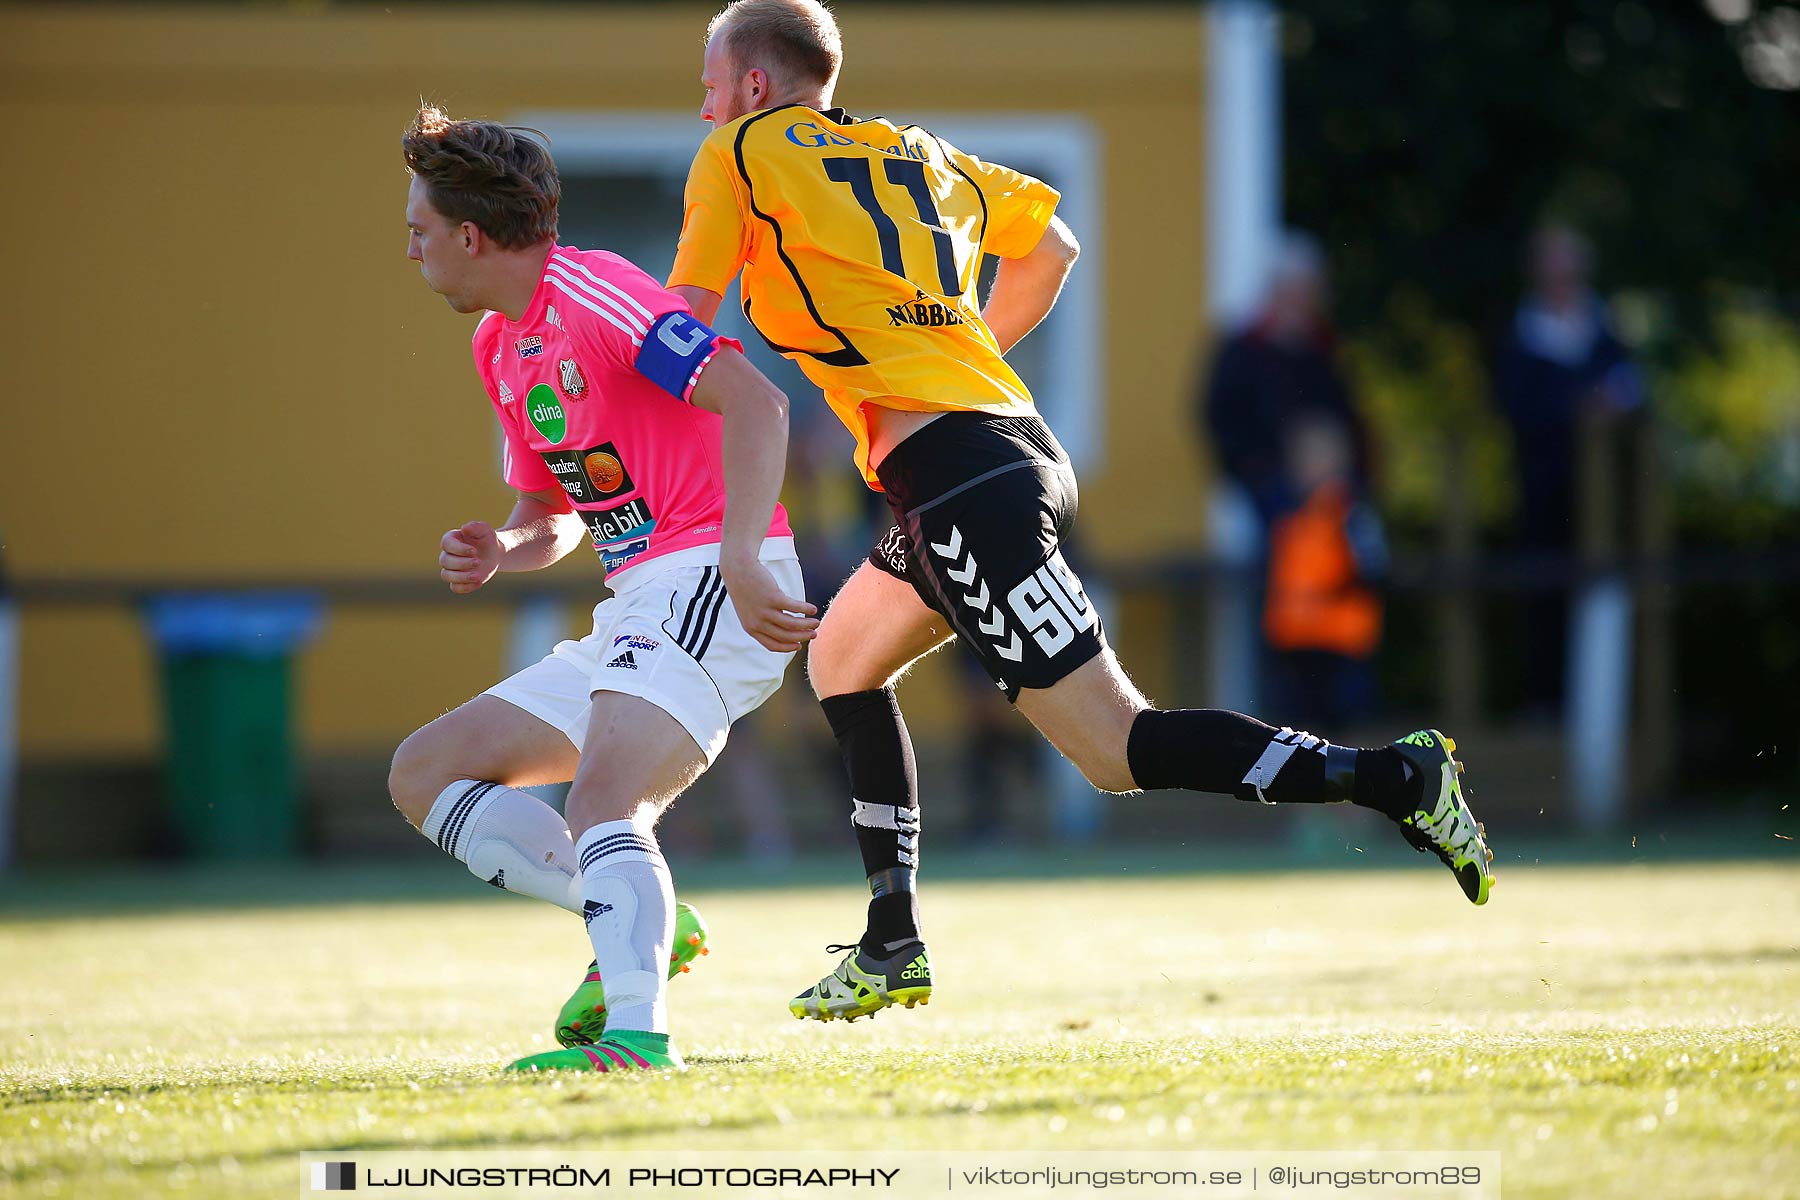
pixel 768 341
pixel 979 194
pixel 849 356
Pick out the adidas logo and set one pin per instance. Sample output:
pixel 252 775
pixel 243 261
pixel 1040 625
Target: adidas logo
pixel 593 908
pixel 1420 737
pixel 919 968
pixel 625 660
pixel 499 880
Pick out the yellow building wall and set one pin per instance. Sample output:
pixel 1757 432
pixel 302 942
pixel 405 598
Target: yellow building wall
pixel 221 365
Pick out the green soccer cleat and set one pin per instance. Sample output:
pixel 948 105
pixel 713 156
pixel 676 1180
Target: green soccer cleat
pixel 1443 823
pixel 862 985
pixel 626 1050
pixel 583 1014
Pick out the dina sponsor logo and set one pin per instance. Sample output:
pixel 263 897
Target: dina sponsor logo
pixel 546 413
pixel 924 312
pixel 530 347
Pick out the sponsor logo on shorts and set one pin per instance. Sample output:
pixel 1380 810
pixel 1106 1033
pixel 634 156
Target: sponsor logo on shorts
pixel 635 641
pixel 890 551
pixel 1052 606
pixel 626 661
pixel 530 347
pixel 573 381
pixel 546 413
pixel 590 476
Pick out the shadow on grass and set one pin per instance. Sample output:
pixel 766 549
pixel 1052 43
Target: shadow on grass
pixel 49 893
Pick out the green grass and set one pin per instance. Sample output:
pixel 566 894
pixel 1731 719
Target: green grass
pixel 1612 1030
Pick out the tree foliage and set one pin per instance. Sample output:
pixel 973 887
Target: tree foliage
pixel 1424 139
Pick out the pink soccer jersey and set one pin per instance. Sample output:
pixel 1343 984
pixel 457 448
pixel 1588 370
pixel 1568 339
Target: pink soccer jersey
pixel 592 388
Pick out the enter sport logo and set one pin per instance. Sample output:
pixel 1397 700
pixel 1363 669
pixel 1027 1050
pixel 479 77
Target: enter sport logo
pixel 546 413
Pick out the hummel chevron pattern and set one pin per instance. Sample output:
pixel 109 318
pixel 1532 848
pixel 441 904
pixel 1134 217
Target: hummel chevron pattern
pixel 964 570
pixel 903 821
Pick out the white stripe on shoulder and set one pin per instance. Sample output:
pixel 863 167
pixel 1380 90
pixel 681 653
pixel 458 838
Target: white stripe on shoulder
pixel 604 313
pixel 570 280
pixel 485 318
pixel 612 287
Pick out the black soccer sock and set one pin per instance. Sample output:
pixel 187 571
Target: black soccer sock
pixel 884 787
pixel 1211 750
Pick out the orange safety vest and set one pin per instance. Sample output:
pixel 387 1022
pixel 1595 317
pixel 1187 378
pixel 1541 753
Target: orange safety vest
pixel 1315 600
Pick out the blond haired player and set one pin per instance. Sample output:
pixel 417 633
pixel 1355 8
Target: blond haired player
pixel 859 241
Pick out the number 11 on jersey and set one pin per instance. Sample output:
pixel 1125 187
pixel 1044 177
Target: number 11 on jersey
pixel 909 174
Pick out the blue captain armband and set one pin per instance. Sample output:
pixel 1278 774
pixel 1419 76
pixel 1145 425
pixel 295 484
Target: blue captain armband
pixel 674 350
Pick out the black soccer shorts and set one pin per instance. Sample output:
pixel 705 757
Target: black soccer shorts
pixel 981 506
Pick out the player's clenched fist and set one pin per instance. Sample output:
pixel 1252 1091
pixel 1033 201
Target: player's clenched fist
pixel 468 557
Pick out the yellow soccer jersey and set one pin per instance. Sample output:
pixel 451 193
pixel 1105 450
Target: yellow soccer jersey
pixel 860 243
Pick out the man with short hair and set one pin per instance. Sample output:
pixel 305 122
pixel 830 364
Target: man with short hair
pixel 629 421
pixel 859 243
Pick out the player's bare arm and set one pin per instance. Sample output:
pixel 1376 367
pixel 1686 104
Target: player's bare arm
pixel 541 530
pixel 704 301
pixel 1025 289
pixel 755 452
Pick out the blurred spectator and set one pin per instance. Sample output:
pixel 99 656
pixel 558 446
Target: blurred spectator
pixel 1322 617
pixel 1280 369
pixel 1559 359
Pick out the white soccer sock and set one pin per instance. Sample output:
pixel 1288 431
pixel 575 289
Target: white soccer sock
pixel 508 839
pixel 628 901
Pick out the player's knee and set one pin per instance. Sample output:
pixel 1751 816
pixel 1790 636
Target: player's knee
pixel 415 778
pixel 1107 771
pixel 829 669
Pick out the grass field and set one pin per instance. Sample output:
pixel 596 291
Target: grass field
pixel 1612 1030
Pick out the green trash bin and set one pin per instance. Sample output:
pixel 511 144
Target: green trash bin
pixel 227 668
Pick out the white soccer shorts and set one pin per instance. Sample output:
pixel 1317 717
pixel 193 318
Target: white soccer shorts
pixel 671 636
